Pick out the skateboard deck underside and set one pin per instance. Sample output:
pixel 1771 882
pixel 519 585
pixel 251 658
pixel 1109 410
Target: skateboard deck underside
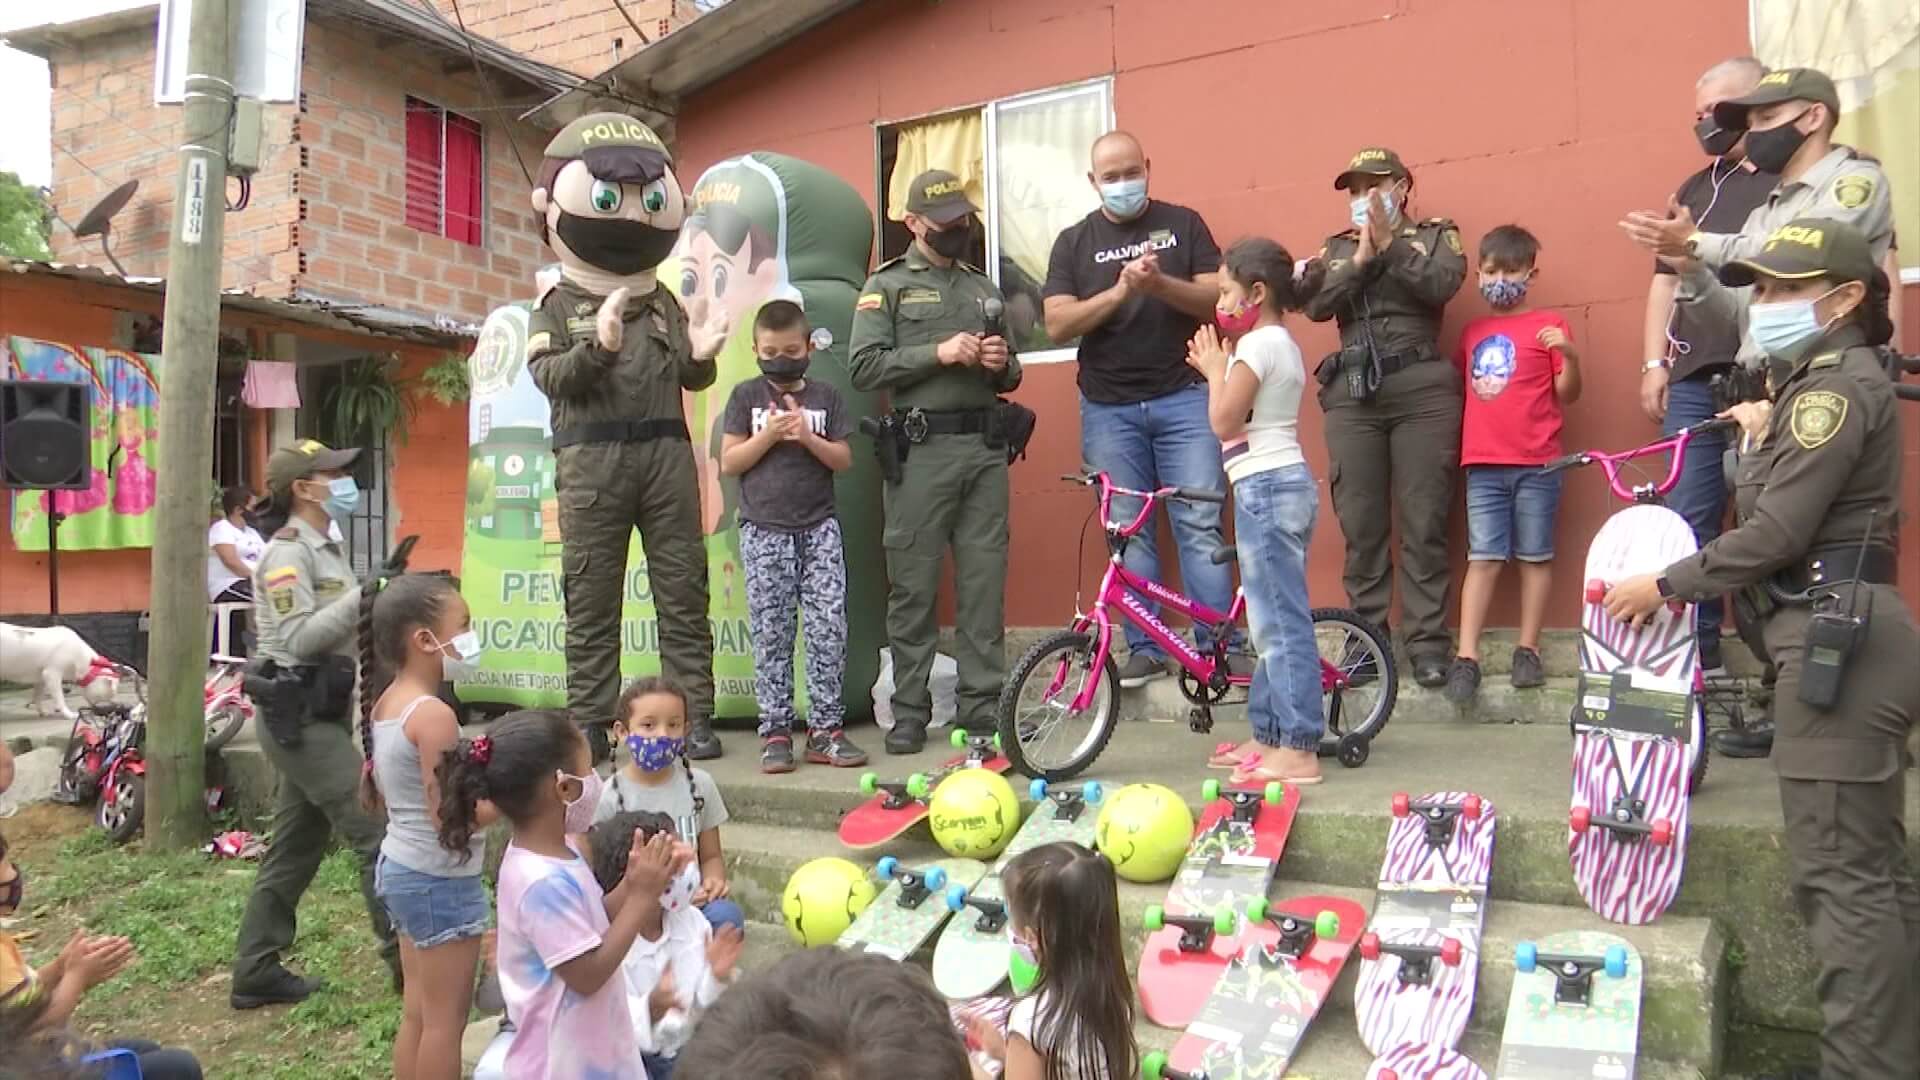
pixel 1228 864
pixel 894 931
pixel 1427 1062
pixel 1425 895
pixel 872 823
pixel 1637 725
pixel 969 962
pixel 1262 1004
pixel 1549 1041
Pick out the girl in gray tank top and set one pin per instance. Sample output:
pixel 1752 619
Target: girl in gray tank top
pixel 415 631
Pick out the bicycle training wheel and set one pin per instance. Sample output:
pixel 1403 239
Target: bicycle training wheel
pixel 1041 732
pixel 1360 680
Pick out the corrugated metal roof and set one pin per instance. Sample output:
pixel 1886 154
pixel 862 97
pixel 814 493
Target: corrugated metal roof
pixel 312 309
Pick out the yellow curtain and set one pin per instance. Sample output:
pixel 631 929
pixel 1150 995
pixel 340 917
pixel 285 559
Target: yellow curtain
pixel 1871 48
pixel 955 142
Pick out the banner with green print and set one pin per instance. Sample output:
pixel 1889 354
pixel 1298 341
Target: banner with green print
pixel 116 508
pixel 760 227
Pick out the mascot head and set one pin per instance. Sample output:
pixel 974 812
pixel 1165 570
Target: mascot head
pixel 608 201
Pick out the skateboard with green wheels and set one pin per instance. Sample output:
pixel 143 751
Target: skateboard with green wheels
pixel 1229 864
pixel 910 908
pixel 897 806
pixel 1291 954
pixel 1575 1009
pixel 970 959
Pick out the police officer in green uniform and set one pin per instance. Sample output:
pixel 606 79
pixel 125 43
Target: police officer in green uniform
pixel 611 351
pixel 920 333
pixel 1817 494
pixel 306 604
pixel 1392 401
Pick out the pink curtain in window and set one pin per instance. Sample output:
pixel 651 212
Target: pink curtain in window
pixel 423 166
pixel 463 180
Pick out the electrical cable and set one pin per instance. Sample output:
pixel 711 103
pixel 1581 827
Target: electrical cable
pixel 486 85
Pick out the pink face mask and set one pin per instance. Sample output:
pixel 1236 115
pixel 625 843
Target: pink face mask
pixel 1237 322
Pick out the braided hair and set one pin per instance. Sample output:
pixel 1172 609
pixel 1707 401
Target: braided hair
pixel 648 685
pixel 506 766
pixel 390 609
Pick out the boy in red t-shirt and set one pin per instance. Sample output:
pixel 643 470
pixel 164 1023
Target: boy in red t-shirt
pixel 1520 367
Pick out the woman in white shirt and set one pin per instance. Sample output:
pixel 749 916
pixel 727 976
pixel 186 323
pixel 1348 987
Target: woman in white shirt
pixel 233 550
pixel 1255 378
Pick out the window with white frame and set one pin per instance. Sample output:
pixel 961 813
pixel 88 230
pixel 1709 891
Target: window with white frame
pixel 1024 161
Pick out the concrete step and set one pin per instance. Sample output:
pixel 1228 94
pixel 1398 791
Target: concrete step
pixel 1685 995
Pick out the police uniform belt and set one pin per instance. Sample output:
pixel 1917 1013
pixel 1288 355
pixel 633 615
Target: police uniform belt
pixel 922 422
pixel 1825 567
pixel 621 431
pixel 1392 362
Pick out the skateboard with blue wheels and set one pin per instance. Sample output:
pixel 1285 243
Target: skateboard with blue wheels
pixel 898 805
pixel 1575 1009
pixel 970 959
pixel 910 908
pixel 1262 1004
pixel 1230 862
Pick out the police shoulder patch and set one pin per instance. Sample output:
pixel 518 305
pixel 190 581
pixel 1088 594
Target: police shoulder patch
pixel 1853 190
pixel 1453 239
pixel 541 342
pixel 872 301
pixel 281 599
pixel 1817 417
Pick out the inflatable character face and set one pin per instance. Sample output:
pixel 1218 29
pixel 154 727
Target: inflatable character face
pixel 728 267
pixel 608 199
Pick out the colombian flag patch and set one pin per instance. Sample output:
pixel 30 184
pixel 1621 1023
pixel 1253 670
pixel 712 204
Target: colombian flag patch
pixel 872 301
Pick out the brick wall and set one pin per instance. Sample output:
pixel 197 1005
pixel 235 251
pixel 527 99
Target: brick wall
pixel 350 140
pixel 106 131
pixel 577 35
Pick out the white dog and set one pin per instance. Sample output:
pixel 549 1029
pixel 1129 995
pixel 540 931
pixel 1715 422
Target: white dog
pixel 46 658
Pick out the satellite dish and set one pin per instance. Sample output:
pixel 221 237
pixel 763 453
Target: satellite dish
pixel 99 220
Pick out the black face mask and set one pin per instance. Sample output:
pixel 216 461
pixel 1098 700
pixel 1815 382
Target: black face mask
pixel 618 247
pixel 1770 150
pixel 784 369
pixel 1714 139
pixel 952 241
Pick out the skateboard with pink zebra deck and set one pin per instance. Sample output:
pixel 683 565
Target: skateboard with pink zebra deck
pixel 1427 1062
pixel 1421 951
pixel 1637 727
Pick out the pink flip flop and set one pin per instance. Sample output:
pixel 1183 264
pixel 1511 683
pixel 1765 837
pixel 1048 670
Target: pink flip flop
pixel 1261 775
pixel 1229 756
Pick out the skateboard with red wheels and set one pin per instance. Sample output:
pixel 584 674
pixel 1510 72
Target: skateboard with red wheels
pixel 897 806
pixel 1638 729
pixel 1229 865
pixel 1291 954
pixel 1421 951
pixel 1427 1062
pixel 1574 1013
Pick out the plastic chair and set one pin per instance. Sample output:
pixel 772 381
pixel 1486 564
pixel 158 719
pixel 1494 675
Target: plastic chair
pixel 115 1064
pixel 225 627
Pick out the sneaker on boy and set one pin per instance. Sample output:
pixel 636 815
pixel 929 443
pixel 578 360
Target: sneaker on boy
pixel 776 754
pixel 835 749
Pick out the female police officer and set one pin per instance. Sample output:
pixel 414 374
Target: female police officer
pixel 1816 501
pixel 306 603
pixel 1392 400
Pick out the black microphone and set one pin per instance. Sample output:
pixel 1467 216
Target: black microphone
pixel 995 312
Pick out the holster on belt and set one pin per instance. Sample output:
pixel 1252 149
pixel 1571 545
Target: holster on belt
pixel 281 694
pixel 889 445
pixel 1010 425
pixel 332 689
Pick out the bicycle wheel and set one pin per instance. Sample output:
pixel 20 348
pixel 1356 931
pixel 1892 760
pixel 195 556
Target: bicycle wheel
pixel 1040 731
pixel 1369 681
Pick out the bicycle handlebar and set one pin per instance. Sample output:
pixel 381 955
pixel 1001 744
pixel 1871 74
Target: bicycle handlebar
pixel 1094 478
pixel 1676 444
pixel 1909 393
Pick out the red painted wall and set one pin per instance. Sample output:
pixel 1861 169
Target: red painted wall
pixel 1557 115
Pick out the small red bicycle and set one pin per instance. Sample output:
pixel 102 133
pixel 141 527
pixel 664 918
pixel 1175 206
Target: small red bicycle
pixel 1061 701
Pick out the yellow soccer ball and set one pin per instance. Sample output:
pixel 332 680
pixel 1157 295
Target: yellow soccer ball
pixel 1144 830
pixel 973 813
pixel 823 898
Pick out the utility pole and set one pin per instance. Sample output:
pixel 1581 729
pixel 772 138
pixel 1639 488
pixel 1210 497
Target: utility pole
pixel 176 817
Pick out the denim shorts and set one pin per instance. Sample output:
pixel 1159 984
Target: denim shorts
pixel 1510 512
pixel 429 909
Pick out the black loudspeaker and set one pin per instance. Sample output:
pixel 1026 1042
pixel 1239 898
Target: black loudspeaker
pixel 44 435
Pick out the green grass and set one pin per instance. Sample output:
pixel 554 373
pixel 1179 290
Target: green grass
pixel 182 912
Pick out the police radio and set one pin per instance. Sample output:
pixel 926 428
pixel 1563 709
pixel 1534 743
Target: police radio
pixel 1833 635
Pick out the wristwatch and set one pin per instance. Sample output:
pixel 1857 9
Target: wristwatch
pixel 1665 587
pixel 1653 362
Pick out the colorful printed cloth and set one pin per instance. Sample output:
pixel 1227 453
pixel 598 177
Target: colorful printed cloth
pixel 116 509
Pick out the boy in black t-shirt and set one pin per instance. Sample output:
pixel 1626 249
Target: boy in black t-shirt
pixel 785 436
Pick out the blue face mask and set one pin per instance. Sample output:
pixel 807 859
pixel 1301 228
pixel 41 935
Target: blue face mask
pixel 1358 207
pixel 1125 199
pixel 1783 329
pixel 655 752
pixel 343 498
pixel 1504 293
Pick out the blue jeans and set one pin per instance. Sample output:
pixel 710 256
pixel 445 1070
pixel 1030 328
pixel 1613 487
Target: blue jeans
pixel 431 910
pixel 1701 494
pixel 724 912
pixel 1273 515
pixel 1165 441
pixel 1510 512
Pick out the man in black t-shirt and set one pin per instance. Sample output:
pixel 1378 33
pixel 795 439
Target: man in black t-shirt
pixel 1685 345
pixel 1133 280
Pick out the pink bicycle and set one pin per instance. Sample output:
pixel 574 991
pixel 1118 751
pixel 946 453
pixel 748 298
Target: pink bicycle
pixel 1061 701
